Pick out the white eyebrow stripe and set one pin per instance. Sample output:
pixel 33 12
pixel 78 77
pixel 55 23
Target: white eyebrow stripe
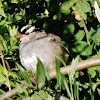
pixel 25 27
pixel 30 29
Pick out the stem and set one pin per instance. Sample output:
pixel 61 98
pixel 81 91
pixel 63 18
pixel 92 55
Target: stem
pixel 2 57
pixel 85 29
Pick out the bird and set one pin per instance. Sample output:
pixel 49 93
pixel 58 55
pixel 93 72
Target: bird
pixel 37 44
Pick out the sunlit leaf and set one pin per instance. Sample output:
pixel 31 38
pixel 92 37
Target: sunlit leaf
pixel 55 17
pixel 92 72
pixel 1 91
pixel 46 12
pixel 98 90
pixel 18 17
pixel 83 7
pixel 14 1
pixel 2 12
pixel 10 17
pixel 3 43
pixel 65 7
pixel 1 4
pixel 73 68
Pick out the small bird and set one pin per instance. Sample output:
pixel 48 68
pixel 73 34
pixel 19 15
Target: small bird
pixel 43 45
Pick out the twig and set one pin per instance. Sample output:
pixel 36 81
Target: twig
pixel 2 57
pixel 11 93
pixel 8 66
pixel 80 18
pixel 85 29
pixel 52 74
pixel 81 65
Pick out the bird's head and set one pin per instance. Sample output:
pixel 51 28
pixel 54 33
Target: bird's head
pixel 26 30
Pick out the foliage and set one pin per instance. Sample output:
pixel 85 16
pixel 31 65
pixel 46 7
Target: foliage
pixel 60 17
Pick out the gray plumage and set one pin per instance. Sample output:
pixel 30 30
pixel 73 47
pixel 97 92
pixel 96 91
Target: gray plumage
pixel 42 45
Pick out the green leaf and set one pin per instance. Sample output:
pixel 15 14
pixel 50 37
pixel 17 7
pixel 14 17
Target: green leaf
pixel 22 91
pixel 24 74
pixel 41 73
pixel 83 6
pixel 80 35
pixel 83 48
pixel 91 33
pixel 10 17
pixel 77 91
pixel 15 47
pixel 73 69
pixel 67 87
pixel 58 73
pixel 80 24
pixel 98 35
pixel 91 89
pixel 18 17
pixel 1 92
pixel 96 39
pixel 68 28
pixel 98 90
pixel 1 4
pixel 62 81
pixel 55 17
pixel 92 72
pixel 2 69
pixel 41 95
pixel 5 5
pixel 47 0
pixel 65 7
pixel 14 1
pixel 3 79
pixel 3 22
pixel 14 75
pixel 2 12
pixel 61 59
pixel 98 67
pixel 4 43
pixel 95 86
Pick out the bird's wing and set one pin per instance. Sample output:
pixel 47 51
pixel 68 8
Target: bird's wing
pixel 57 40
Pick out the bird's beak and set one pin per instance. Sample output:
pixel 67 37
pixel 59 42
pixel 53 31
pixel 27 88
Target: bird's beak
pixel 20 36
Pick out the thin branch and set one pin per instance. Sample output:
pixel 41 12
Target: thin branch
pixel 79 18
pixel 81 65
pixel 85 29
pixel 52 74
pixel 2 57
pixel 8 66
